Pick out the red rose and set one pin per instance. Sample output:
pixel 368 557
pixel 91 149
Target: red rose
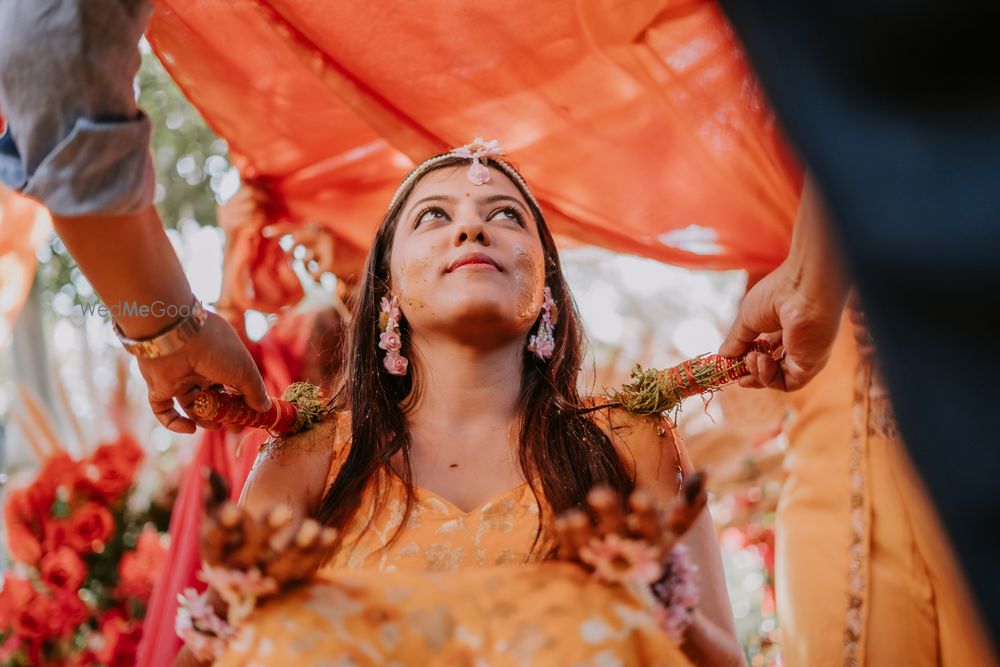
pixel 16 594
pixel 121 640
pixel 62 571
pixel 138 569
pixel 19 650
pixel 58 470
pixel 56 534
pixel 29 612
pixel 83 659
pixel 23 527
pixel 110 470
pixel 68 613
pixel 89 528
pixel 9 647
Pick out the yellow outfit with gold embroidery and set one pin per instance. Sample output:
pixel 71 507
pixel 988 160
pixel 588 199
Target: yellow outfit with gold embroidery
pixel 454 588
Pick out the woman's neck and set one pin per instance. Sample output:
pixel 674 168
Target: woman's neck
pixel 464 391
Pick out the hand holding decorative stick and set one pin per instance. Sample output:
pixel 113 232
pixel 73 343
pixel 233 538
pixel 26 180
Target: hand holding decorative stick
pixel 655 392
pixel 651 392
pixel 301 406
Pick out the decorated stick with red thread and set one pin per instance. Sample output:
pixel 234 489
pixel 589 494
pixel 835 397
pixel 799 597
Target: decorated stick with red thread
pixel 654 392
pixel 300 407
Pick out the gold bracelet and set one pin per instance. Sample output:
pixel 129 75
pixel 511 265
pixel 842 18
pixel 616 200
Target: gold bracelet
pixel 169 340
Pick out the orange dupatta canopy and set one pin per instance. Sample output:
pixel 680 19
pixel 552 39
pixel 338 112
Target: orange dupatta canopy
pixel 637 124
pixel 24 225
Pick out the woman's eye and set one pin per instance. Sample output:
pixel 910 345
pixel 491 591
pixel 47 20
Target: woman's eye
pixel 429 214
pixel 508 213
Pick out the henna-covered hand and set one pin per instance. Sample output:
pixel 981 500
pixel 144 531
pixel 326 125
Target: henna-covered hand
pixel 233 538
pixel 640 518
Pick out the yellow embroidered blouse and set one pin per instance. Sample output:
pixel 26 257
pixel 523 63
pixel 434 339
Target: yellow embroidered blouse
pixel 454 589
pixel 438 536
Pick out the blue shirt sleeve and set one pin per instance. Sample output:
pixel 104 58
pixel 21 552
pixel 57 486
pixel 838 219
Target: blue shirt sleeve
pixel 75 139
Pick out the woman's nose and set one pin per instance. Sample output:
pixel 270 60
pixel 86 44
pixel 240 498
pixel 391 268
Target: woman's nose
pixel 471 228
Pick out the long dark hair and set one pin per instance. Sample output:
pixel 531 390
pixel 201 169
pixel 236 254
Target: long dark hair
pixel 562 446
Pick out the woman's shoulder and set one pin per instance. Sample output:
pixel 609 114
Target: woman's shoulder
pixel 619 423
pixel 648 444
pixel 332 433
pixel 299 463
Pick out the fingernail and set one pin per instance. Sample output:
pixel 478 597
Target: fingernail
pixel 600 495
pixel 278 542
pixel 229 515
pixel 307 533
pixel 279 516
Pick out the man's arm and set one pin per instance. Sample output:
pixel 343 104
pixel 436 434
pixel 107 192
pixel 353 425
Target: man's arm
pixel 798 305
pixel 129 259
pixel 76 141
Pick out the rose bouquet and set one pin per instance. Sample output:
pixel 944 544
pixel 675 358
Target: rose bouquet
pixel 84 561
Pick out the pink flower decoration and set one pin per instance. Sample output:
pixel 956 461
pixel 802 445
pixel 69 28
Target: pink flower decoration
pixel 390 341
pixel 205 634
pixel 549 306
pixel 678 594
pixel 478 148
pixel 620 560
pixel 544 348
pixel 391 308
pixel 396 364
pixel 239 589
pixel 543 343
pixel 478 173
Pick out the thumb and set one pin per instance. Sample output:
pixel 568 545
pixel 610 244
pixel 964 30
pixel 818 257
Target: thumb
pixel 242 374
pixel 754 317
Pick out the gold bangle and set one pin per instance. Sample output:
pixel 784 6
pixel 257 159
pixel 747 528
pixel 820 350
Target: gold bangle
pixel 168 341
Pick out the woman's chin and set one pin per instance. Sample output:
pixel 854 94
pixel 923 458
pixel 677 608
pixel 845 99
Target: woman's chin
pixel 490 316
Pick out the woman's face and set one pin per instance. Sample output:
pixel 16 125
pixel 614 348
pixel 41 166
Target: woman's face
pixel 467 259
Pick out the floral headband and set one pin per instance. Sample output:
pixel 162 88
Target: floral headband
pixel 476 152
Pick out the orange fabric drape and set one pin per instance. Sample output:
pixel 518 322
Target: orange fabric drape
pixel 23 225
pixel 638 124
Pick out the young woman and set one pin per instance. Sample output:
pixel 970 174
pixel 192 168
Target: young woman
pixel 463 447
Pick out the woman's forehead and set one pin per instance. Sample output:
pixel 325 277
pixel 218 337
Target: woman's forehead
pixel 453 181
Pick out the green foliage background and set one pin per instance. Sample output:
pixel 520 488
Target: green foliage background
pixel 191 167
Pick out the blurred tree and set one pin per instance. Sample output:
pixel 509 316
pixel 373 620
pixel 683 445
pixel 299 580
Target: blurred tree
pixel 192 168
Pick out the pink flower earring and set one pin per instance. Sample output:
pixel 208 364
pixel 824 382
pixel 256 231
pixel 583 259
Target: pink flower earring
pixel 390 340
pixel 543 343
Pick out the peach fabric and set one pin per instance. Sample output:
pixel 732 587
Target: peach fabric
pixel 23 226
pixel 456 588
pixel 638 125
pixel 849 475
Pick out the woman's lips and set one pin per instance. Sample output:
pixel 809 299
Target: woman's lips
pixel 474 262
